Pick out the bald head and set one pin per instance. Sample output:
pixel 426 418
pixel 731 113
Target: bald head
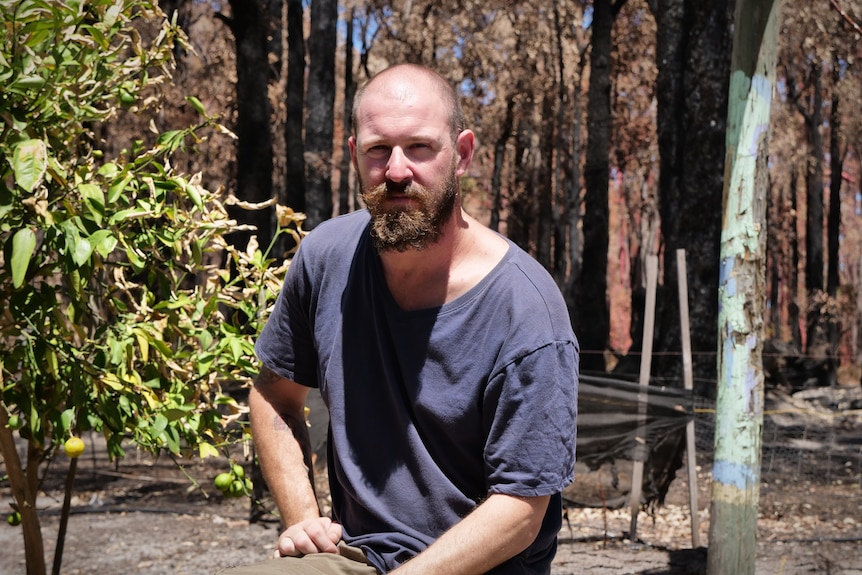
pixel 402 81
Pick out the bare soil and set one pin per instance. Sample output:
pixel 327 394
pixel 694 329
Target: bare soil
pixel 144 516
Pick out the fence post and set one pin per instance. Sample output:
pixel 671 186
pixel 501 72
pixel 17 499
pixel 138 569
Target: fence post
pixel 739 398
pixel 688 382
pixel 641 452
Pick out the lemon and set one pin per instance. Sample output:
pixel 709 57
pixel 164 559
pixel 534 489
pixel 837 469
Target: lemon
pixel 14 519
pixel 223 481
pixel 74 446
pixel 238 471
pixel 236 489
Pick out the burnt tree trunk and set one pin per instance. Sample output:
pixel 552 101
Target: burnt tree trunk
pixel 693 55
pixel 321 105
pixel 814 210
pixel 294 192
pixel 591 314
pixel 499 161
pixel 254 153
pixel 349 95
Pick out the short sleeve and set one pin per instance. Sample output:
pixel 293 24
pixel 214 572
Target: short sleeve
pixel 530 409
pixel 285 344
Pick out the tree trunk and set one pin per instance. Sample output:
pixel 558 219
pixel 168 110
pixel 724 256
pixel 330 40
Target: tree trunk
pixel 24 483
pixel 499 161
pixel 793 242
pixel 592 321
pixel 294 193
pixel 520 214
pixel 815 334
pixel 254 153
pixel 545 223
pixel 836 164
pixel 739 405
pixel 349 94
pixel 321 103
pixel 693 56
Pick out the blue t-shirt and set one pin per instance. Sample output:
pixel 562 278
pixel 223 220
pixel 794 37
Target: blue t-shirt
pixel 431 410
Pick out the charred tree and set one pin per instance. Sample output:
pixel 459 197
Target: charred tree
pixel 294 192
pixel 693 45
pixel 319 130
pixel 254 152
pixel 591 315
pixel 349 95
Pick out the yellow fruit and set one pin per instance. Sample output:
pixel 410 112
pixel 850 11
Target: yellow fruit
pixel 223 481
pixel 74 446
pixel 14 519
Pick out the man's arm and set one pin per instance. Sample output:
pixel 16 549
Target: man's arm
pixel 277 410
pixel 497 530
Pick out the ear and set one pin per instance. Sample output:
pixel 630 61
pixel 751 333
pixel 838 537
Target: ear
pixel 465 145
pixel 351 142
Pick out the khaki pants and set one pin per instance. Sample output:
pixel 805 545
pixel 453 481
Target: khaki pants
pixel 349 561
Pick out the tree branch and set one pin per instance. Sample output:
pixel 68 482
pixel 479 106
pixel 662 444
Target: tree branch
pixel 847 18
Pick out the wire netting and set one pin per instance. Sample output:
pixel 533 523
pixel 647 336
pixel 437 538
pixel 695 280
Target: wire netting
pixel 811 459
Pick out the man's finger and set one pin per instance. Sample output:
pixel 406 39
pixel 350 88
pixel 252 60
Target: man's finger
pixel 286 547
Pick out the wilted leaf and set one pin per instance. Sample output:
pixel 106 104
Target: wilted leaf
pixel 29 162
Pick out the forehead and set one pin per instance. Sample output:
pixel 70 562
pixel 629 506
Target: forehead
pixel 403 102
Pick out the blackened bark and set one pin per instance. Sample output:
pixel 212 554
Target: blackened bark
pixel 522 199
pixel 793 242
pixel 693 48
pixel 591 316
pixel 321 103
pixel 254 153
pixel 814 267
pixel 294 192
pixel 836 161
pixel 544 178
pixel 349 95
pixel 499 161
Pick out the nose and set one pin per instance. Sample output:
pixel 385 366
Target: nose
pixel 398 167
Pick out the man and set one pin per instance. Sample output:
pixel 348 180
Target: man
pixel 444 354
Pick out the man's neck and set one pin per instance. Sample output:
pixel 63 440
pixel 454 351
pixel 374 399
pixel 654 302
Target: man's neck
pixel 465 252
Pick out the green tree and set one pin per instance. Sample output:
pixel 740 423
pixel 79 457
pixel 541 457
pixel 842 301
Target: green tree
pixel 114 316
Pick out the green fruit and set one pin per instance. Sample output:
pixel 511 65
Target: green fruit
pixel 223 481
pixel 236 489
pixel 14 422
pixel 238 471
pixel 14 519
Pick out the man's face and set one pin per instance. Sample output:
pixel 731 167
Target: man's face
pixel 407 163
pixel 409 215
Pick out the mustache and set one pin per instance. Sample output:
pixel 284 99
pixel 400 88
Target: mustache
pixel 380 192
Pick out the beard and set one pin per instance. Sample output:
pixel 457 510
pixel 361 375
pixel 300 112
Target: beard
pixel 412 227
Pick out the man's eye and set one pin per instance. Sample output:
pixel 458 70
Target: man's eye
pixel 377 152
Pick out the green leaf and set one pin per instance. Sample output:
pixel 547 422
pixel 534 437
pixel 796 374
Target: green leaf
pixel 118 188
pixel 94 199
pixel 29 162
pixel 78 248
pixel 104 242
pixel 68 419
pixel 197 105
pixel 23 246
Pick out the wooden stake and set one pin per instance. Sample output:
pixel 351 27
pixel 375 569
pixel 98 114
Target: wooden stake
pixel 646 365
pixel 688 380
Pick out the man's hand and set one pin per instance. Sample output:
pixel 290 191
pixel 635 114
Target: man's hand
pixel 318 535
